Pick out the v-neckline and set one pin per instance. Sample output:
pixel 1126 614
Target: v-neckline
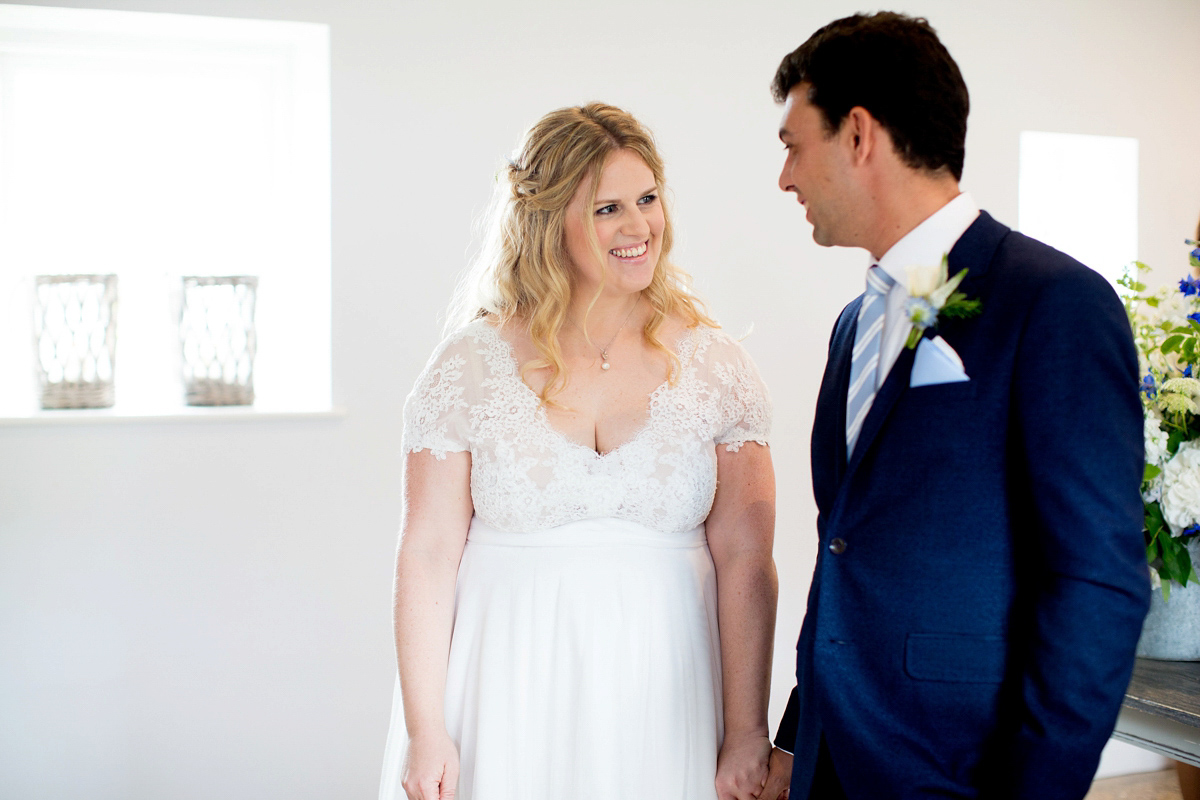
pixel 514 371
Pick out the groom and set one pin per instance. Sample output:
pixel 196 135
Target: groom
pixel 980 582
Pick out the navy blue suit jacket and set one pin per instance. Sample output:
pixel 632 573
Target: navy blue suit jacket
pixel 976 633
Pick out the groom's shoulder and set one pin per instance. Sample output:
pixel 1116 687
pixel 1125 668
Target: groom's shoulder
pixel 1023 263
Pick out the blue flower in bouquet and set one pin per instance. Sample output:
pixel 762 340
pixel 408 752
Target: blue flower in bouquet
pixel 1170 389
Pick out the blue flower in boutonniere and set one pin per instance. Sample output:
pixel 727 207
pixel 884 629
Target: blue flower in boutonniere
pixel 932 295
pixel 1189 286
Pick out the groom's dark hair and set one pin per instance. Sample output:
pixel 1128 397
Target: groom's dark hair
pixel 896 68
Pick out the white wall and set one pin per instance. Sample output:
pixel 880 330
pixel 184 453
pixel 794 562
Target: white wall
pixel 201 609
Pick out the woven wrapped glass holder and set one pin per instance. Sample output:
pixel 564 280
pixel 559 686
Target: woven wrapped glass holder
pixel 218 339
pixel 75 340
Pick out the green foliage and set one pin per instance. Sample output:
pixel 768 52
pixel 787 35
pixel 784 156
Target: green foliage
pixel 1168 554
pixel 958 306
pixel 1169 346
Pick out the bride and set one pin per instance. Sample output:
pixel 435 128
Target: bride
pixel 585 595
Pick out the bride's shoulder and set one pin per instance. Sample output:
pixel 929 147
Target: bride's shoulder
pixel 484 329
pixel 714 343
pixel 478 341
pixel 478 328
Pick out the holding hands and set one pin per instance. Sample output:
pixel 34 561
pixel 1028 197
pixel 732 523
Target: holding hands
pixel 779 776
pixel 742 766
pixel 750 768
pixel 431 769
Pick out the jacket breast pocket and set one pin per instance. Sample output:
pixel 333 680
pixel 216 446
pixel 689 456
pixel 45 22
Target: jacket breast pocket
pixel 944 392
pixel 955 657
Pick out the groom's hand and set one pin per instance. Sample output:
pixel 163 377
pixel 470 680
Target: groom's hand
pixel 779 777
pixel 742 766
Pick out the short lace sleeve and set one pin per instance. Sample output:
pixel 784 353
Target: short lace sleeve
pixel 745 403
pixel 436 413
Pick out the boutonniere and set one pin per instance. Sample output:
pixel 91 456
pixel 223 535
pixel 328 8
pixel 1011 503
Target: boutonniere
pixel 931 295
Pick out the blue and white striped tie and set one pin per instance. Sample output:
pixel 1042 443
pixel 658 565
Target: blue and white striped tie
pixel 864 363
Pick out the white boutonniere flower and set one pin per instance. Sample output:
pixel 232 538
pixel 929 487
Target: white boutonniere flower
pixel 932 294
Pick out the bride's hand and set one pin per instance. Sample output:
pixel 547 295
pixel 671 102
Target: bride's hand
pixel 742 766
pixel 431 768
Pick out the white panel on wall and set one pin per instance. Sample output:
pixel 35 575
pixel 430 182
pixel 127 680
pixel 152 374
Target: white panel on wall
pixel 1079 194
pixel 154 146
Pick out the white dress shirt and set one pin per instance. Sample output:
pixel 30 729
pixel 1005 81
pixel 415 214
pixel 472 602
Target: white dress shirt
pixel 924 245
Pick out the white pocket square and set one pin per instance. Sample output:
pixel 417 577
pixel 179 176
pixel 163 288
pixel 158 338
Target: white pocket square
pixel 936 362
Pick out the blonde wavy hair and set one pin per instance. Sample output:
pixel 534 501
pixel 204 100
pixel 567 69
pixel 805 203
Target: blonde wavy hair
pixel 523 270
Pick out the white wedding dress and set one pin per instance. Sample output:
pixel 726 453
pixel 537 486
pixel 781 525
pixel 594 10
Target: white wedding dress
pixel 585 659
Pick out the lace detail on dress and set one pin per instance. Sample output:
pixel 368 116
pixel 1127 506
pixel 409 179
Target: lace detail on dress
pixel 431 408
pixel 526 476
pixel 745 403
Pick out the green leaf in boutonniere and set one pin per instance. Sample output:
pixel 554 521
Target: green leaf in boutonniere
pixel 932 295
pixel 959 306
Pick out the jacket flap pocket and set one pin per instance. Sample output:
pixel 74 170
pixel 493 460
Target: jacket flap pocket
pixel 958 657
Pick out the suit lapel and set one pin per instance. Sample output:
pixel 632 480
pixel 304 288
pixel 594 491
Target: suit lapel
pixel 973 251
pixel 829 423
pixel 842 354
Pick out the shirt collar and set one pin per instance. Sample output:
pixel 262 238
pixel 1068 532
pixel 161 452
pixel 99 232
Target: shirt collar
pixel 925 244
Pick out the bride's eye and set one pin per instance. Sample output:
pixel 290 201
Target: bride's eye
pixel 647 200
pixel 605 210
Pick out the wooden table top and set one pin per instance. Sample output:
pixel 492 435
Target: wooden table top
pixel 1168 689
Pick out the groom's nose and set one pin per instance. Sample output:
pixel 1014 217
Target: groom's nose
pixel 785 178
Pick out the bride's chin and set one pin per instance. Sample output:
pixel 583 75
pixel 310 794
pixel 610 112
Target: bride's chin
pixel 631 289
pixel 634 282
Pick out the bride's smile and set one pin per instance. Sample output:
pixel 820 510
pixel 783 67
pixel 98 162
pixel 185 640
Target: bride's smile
pixel 627 219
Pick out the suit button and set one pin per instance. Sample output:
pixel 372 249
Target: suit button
pixel 837 546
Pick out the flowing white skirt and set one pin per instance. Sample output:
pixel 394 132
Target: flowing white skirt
pixel 584 664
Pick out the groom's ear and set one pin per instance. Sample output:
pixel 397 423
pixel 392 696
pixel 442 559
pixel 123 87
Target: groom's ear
pixel 861 131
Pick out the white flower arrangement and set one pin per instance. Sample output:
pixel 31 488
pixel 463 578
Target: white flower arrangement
pixel 1166 327
pixel 1181 488
pixel 1157 455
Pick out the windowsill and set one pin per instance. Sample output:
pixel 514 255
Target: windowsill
pixel 86 416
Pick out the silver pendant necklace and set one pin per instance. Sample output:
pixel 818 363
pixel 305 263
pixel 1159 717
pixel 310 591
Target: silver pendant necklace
pixel 604 365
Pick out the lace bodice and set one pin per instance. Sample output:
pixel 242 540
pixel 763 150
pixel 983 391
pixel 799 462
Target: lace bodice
pixel 527 476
